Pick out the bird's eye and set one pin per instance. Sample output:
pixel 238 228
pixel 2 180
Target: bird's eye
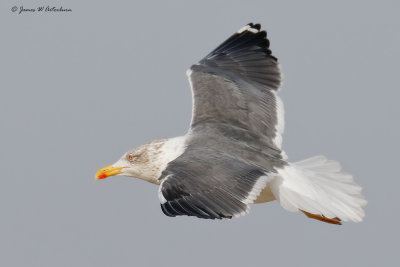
pixel 131 157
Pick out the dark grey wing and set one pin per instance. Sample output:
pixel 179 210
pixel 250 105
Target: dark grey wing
pixel 234 143
pixel 234 91
pixel 208 184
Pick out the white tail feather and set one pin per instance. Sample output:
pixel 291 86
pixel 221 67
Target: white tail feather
pixel 316 185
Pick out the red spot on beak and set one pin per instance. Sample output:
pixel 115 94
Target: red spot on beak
pixel 102 176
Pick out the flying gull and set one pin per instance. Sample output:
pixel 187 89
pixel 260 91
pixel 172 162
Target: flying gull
pixel 231 156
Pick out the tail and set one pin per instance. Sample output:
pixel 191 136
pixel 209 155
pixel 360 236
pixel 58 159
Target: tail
pixel 317 187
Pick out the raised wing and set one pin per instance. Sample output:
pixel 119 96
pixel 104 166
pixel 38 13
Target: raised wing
pixel 234 90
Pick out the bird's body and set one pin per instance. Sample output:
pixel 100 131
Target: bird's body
pixel 231 156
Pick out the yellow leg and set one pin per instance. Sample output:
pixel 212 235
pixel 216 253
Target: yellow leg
pixel 322 218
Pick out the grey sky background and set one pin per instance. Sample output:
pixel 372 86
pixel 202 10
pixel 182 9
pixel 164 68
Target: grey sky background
pixel 80 89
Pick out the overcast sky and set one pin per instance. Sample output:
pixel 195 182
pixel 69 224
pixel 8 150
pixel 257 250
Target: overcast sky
pixel 80 88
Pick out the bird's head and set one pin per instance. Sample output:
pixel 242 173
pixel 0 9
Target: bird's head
pixel 145 162
pixel 140 162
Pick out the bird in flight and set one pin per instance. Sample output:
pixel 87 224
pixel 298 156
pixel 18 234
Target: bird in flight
pixel 232 155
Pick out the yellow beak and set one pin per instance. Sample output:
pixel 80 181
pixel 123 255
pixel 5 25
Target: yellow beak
pixel 108 171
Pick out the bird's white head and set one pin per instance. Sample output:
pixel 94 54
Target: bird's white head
pixel 146 161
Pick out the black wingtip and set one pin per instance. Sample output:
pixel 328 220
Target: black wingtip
pixel 253 27
pixel 247 53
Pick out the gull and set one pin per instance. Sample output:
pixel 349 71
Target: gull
pixel 232 155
